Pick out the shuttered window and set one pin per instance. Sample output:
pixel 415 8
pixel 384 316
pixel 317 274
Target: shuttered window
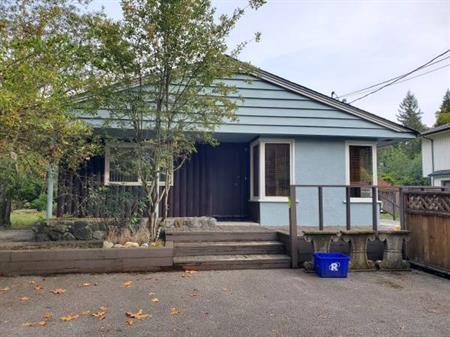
pixel 361 172
pixel 277 169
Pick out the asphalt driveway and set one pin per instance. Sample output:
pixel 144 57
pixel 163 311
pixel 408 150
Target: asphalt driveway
pixel 226 303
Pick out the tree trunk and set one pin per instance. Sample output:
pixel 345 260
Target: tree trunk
pixel 5 212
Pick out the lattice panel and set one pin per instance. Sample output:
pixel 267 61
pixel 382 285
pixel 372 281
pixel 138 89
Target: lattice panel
pixel 428 202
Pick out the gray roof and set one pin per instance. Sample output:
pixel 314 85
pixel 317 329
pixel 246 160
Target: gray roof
pixel 440 173
pixel 442 128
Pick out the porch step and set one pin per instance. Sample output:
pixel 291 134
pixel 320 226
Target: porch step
pixel 226 262
pixel 220 236
pixel 228 247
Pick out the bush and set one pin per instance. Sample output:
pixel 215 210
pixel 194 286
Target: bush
pixel 40 203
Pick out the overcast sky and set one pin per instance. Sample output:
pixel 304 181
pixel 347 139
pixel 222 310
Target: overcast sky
pixel 344 46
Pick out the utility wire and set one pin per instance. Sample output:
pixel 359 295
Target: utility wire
pixel 391 79
pixel 401 77
pixel 422 74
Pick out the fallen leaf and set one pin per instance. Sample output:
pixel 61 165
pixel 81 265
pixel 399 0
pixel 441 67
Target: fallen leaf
pixel 138 315
pixel 58 291
pixel 38 287
pixel 27 324
pixel 41 323
pixel 155 300
pixel 151 293
pixel 127 284
pixel 48 316
pixel 84 285
pixel 100 314
pixel 188 273
pixel 24 299
pixel 130 321
pixel 194 292
pixel 174 311
pixel 85 313
pixel 4 289
pixel 69 318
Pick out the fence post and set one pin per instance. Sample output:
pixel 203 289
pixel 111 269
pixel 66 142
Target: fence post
pixel 402 208
pixel 320 196
pixel 293 240
pixel 347 208
pixel 374 209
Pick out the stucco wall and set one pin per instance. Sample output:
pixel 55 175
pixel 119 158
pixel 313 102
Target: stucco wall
pixel 318 161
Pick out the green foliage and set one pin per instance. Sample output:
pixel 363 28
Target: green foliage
pixel 167 62
pixel 443 114
pixel 40 203
pixel 409 113
pixel 398 168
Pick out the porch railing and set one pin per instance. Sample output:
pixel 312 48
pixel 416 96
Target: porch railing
pixel 293 224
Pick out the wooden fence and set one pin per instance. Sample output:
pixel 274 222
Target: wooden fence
pixel 427 217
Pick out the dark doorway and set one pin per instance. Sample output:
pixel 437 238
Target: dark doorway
pixel 214 182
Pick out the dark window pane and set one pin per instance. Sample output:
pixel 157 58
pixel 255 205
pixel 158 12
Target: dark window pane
pixel 122 164
pixel 361 170
pixel 256 171
pixel 277 169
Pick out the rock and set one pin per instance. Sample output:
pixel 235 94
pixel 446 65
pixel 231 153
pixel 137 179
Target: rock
pixel 190 222
pixel 108 244
pixel 81 230
pixel 55 235
pixel 99 235
pixel 145 245
pixel 118 245
pixel 68 237
pixel 131 244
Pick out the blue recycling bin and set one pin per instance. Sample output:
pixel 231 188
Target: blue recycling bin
pixel 331 265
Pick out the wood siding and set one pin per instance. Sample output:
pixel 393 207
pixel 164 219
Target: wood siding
pixel 270 109
pixel 214 182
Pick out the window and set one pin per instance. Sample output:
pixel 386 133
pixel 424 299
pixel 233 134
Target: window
pixel 277 169
pixel 121 165
pixel 361 170
pixel 271 169
pixel 445 183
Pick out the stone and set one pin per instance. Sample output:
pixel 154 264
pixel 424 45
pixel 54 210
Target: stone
pixel 130 244
pixel 98 235
pixel 358 242
pixel 68 237
pixel 118 245
pixel 55 235
pixel 145 245
pixel 393 246
pixel 108 244
pixel 190 222
pixel 81 230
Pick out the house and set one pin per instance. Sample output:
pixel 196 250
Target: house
pixel 436 155
pixel 286 134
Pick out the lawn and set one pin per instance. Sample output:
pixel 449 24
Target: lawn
pixel 25 219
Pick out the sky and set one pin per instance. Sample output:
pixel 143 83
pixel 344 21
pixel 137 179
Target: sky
pixel 347 45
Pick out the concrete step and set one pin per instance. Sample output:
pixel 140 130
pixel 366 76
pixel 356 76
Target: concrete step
pixel 227 262
pixel 228 247
pixel 205 236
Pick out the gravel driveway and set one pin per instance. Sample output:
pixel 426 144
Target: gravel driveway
pixel 227 303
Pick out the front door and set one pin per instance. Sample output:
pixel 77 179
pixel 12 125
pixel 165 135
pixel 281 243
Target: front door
pixel 214 182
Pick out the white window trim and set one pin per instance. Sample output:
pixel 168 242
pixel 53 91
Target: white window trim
pixel 262 168
pixel 373 145
pixel 107 181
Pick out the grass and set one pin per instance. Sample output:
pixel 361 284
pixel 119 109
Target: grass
pixel 24 220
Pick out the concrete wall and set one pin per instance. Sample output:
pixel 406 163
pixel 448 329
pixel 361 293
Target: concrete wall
pixel 318 161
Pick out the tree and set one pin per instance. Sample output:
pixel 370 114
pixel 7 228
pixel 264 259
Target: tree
pixel 45 57
pixel 443 114
pixel 168 59
pixel 409 113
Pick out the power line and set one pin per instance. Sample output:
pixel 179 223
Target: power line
pixel 386 81
pixel 425 73
pixel 401 77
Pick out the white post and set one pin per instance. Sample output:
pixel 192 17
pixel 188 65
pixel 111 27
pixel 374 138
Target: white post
pixel 49 192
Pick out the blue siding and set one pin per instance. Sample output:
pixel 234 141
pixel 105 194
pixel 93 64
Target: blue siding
pixel 318 161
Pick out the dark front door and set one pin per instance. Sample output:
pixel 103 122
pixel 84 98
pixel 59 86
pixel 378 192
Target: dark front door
pixel 214 182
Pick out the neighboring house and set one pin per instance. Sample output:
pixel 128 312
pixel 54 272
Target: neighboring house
pixel 286 134
pixel 436 155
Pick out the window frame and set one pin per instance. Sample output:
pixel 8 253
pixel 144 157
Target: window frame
pixel 262 168
pixel 107 181
pixel 373 145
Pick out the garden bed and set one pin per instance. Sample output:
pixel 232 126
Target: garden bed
pixel 89 260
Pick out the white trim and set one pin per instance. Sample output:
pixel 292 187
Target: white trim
pixel 374 159
pixel 262 168
pixel 107 181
